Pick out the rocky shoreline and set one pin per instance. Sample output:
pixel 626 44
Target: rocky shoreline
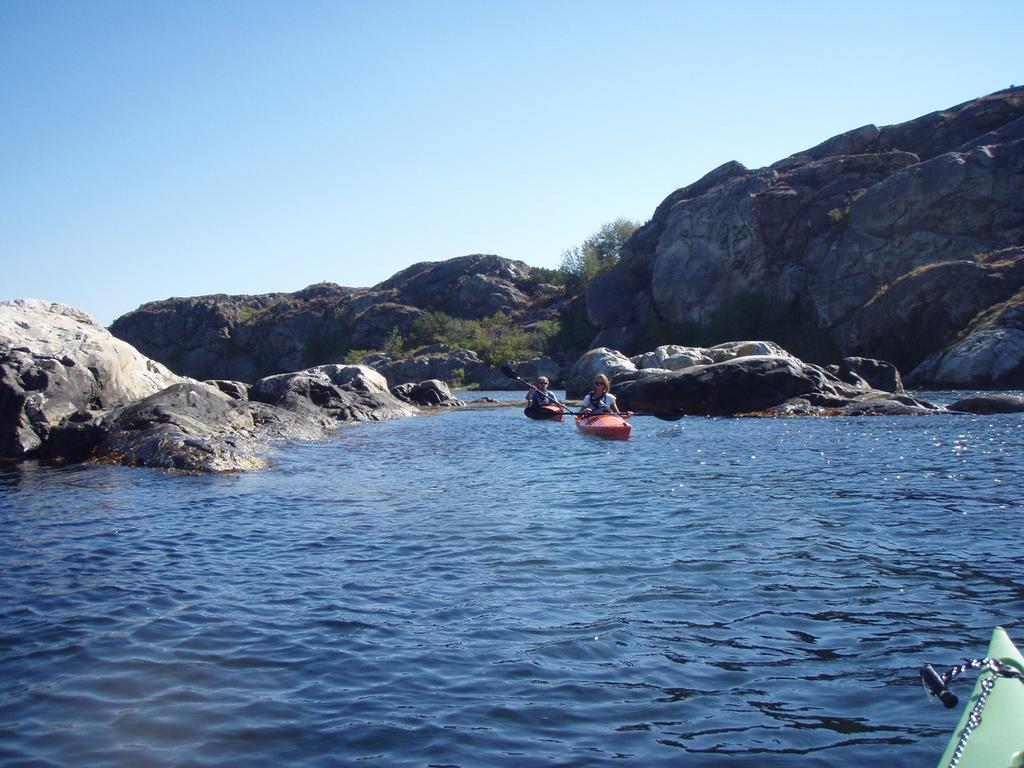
pixel 71 392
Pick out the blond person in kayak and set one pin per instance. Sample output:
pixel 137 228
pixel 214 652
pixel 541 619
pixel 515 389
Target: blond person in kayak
pixel 539 395
pixel 599 399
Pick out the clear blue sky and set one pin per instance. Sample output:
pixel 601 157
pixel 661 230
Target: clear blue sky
pixel 151 148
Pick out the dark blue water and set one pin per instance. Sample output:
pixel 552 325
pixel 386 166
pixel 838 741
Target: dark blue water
pixel 477 589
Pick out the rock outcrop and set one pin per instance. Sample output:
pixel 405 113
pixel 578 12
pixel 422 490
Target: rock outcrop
pixel 990 353
pixel 433 392
pixel 881 242
pixel 927 307
pixel 468 286
pixel 745 377
pixel 988 404
pixel 246 338
pixel 758 384
pixel 670 357
pixel 57 363
pixel 69 392
pixel 342 392
pixel 186 427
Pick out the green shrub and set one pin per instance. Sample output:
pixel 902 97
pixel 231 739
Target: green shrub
pixel 540 276
pixel 495 339
pixel 355 355
pixel 394 346
pixel 598 253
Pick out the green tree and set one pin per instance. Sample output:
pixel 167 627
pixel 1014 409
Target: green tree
pixel 598 253
pixel 433 328
pixel 394 346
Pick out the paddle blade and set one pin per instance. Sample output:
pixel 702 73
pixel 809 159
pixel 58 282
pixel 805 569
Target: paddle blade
pixel 507 370
pixel 663 415
pixel 669 415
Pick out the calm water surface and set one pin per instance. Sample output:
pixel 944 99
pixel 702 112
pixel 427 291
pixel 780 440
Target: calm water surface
pixel 476 589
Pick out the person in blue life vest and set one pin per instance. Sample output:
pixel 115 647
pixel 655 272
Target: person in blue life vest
pixel 599 399
pixel 540 395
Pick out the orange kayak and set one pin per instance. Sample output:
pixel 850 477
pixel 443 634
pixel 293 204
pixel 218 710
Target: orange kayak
pixel 610 426
pixel 547 412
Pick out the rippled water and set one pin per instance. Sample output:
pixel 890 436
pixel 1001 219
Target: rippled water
pixel 478 589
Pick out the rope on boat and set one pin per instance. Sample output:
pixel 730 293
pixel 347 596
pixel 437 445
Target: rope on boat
pixel 937 685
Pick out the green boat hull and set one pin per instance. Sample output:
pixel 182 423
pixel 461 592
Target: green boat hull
pixel 998 742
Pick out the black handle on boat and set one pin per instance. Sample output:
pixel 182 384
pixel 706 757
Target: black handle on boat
pixel 937 686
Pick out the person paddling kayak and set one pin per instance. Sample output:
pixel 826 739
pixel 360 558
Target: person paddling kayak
pixel 600 415
pixel 540 395
pixel 599 399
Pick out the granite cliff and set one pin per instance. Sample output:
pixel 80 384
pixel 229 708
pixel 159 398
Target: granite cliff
pixel 901 242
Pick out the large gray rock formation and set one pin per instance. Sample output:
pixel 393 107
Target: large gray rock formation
pixel 56 361
pixel 246 338
pixel 745 377
pixel 671 357
pixel 467 286
pixel 758 384
pixel 832 248
pixel 927 307
pixel 990 354
pixel 187 427
pixel 432 392
pixel 988 404
pixel 69 391
pixel 343 392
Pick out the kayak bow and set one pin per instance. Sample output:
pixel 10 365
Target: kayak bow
pixel 991 730
pixel 610 426
pixel 547 412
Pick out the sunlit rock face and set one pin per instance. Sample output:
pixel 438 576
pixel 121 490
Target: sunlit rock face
pixel 884 242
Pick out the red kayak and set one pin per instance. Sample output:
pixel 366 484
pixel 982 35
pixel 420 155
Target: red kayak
pixel 610 426
pixel 547 412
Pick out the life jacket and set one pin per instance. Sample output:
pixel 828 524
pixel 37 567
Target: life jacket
pixel 540 398
pixel 599 403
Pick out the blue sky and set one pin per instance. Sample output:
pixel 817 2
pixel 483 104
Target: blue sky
pixel 154 149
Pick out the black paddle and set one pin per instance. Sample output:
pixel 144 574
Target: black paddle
pixel 663 415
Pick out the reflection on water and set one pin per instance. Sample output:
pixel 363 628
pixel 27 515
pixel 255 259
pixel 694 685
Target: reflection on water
pixel 476 588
